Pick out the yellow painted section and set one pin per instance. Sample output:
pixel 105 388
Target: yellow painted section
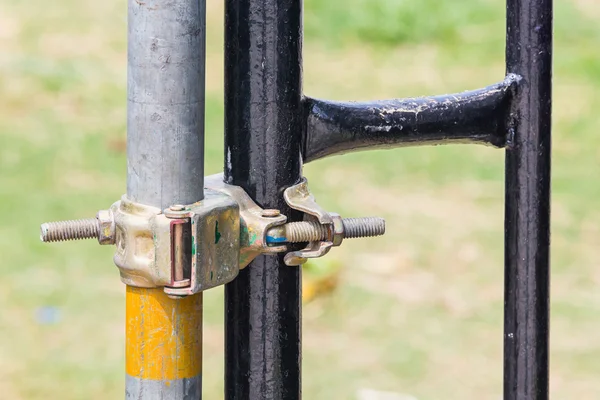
pixel 163 335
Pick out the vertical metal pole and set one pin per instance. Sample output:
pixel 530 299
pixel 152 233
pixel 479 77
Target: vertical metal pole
pixel 527 223
pixel 163 352
pixel 165 155
pixel 263 41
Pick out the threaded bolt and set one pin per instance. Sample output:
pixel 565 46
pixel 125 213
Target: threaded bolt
pixel 70 230
pixel 305 231
pixel 310 231
pixel 363 227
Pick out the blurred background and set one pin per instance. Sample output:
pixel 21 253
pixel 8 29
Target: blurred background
pixel 417 312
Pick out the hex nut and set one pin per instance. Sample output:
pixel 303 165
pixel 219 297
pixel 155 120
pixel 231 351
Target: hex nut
pixel 106 227
pixel 338 229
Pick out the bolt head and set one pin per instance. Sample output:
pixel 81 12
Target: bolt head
pixel 270 213
pixel 177 207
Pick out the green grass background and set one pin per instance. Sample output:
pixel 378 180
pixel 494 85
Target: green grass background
pixel 418 312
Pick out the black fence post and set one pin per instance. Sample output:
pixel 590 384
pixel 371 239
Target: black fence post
pixel 527 223
pixel 263 127
pixel 269 129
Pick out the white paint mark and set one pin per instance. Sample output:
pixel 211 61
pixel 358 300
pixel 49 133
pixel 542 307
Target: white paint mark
pixel 385 128
pixel 228 158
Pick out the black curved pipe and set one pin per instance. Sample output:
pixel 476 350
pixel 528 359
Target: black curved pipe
pixel 479 116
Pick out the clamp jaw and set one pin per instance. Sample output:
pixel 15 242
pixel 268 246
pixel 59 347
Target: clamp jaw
pixel 187 249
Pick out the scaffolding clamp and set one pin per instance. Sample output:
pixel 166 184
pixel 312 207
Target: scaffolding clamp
pixel 190 248
pixel 185 248
pixel 320 230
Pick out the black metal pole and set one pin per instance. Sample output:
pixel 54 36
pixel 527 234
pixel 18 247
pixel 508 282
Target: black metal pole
pixel 263 41
pixel 527 223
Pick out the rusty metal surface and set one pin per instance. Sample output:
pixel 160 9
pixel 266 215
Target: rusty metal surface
pixel 298 197
pixel 150 252
pixel 215 242
pixel 253 225
pixel 180 253
pixel 321 229
pixel 78 229
pixel 342 228
pixel 142 244
pixel 106 227
pixel 313 250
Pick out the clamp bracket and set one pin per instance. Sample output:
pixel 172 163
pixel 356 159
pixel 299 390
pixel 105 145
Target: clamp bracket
pixel 299 197
pixel 254 222
pixel 187 249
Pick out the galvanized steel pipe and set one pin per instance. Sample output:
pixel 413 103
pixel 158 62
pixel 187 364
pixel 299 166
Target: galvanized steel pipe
pixel 165 166
pixel 165 101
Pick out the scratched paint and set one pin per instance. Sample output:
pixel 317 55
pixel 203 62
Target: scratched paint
pixel 252 237
pixel 273 239
pixel 163 335
pixel 217 233
pixel 247 237
pixel 478 116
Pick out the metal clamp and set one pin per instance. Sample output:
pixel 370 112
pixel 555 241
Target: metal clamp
pixel 185 248
pixel 214 247
pixel 190 248
pixel 300 198
pixel 321 229
pixel 254 221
